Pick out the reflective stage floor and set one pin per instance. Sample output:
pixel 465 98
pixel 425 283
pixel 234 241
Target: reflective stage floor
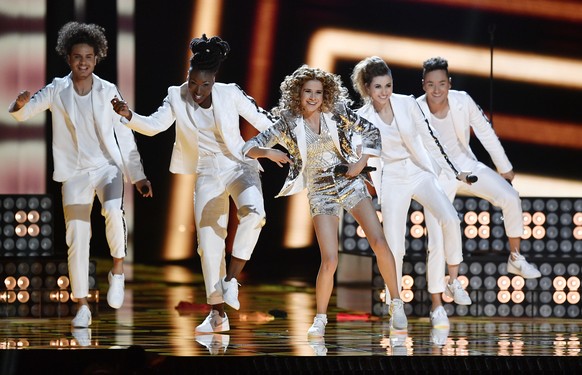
pixel 154 333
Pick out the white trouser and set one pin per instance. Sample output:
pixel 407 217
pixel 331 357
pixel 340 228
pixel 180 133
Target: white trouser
pixel 491 187
pixel 219 177
pixel 78 196
pixel 401 182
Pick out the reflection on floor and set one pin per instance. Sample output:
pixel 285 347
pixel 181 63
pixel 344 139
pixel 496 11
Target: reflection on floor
pixel 164 305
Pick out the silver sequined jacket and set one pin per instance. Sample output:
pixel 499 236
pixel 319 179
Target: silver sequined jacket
pixel 346 128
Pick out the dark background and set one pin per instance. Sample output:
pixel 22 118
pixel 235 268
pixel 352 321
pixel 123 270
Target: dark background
pixel 162 35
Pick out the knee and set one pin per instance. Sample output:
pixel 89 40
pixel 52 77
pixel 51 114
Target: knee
pixel 329 264
pixel 254 217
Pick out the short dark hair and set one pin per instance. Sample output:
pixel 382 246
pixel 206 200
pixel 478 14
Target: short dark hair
pixel 435 63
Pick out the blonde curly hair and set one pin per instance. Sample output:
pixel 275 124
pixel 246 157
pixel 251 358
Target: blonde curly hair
pixel 333 90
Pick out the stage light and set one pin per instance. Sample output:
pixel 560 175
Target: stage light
pixel 503 282
pixel 416 217
pixel 484 231
pixel 573 298
pixel 559 297
pixel 503 296
pixel 484 218
pixel 470 218
pixel 360 232
pixel 517 296
pixel 573 283
pixel 559 283
pixel 407 282
pixel 526 218
pixel 407 295
pixel 471 231
pixel 517 282
pixel 538 232
pixel 538 218
pixel 39 287
pixel 417 231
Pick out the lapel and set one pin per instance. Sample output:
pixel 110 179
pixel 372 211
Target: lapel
pixel 301 140
pixel 189 106
pixel 457 117
pixel 66 95
pixel 332 126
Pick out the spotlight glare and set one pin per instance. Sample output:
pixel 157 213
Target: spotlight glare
pixel 538 232
pixel 573 283
pixel 559 283
pixel 484 218
pixel 360 232
pixel 526 218
pixel 416 231
pixel 471 231
pixel 517 296
pixel 470 218
pixel 539 218
pixel 573 298
pixel 417 217
pixel 526 233
pixel 559 297
pixel 503 282
pixel 407 295
pixel 503 296
pixel 517 282
pixel 407 282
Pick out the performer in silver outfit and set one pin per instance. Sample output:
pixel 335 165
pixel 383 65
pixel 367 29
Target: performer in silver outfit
pixel 320 132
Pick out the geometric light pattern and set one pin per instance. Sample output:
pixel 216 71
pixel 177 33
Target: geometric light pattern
pixel 40 287
pixel 26 225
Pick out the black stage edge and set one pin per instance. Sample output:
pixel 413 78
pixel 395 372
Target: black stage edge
pixel 135 360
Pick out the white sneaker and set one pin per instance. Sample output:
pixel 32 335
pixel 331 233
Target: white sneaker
pixel 457 293
pixel 83 317
pixel 215 343
pixel 317 343
pixel 439 318
pixel 520 266
pixel 317 329
pixel 397 316
pixel 214 323
pixel 439 336
pixel 116 291
pixel 229 292
pixel 82 336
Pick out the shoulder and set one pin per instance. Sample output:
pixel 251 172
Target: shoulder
pixel 459 95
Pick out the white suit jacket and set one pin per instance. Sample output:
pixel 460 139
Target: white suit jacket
pixel 229 102
pixel 419 138
pixel 466 114
pixel 116 140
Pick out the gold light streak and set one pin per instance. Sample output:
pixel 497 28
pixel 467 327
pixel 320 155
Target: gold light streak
pixel 331 44
pixel 180 232
pixel 565 10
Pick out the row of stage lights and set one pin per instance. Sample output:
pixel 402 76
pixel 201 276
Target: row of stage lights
pixel 552 240
pixel 493 291
pixel 26 225
pixel 552 227
pixel 40 288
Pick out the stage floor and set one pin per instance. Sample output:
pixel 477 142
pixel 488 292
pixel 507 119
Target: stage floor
pixel 164 304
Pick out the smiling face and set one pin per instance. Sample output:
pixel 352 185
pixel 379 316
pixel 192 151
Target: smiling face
pixel 436 85
pixel 311 96
pixel 380 89
pixel 200 85
pixel 82 61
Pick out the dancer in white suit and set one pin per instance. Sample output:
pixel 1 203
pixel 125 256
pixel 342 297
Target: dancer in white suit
pixel 454 114
pixel 411 159
pixel 319 131
pixel 93 152
pixel 209 145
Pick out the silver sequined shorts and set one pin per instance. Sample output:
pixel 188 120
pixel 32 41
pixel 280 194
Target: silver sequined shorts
pixel 330 193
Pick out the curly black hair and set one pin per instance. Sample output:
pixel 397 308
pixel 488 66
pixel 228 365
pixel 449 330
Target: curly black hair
pixel 73 33
pixel 208 54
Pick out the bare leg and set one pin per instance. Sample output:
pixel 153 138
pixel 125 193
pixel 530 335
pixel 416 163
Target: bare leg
pixel 117 268
pixel 219 308
pixel 235 267
pixel 366 216
pixel 436 301
pixel 326 230
pixel 514 245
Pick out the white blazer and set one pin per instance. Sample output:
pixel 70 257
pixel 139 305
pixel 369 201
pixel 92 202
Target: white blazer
pixel 117 140
pixel 466 114
pixel 229 102
pixel 419 138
